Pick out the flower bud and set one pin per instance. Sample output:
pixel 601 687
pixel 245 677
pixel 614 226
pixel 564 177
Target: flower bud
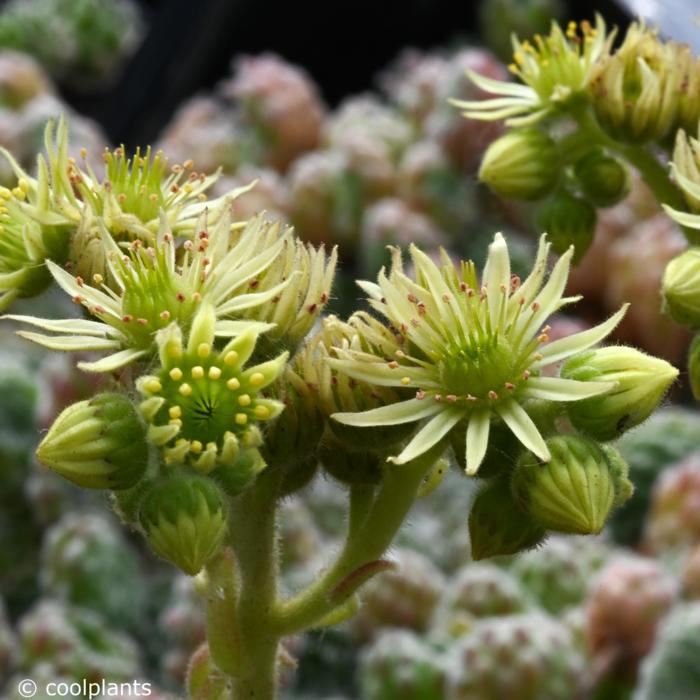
pixel 184 519
pixel 681 288
pixel 641 382
pixel 568 221
pixel 498 526
pixel 635 90
pixel 97 444
pixel 604 180
pixel 522 164
pixel 572 493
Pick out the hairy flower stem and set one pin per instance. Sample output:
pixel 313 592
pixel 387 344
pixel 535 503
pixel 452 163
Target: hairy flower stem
pixel 372 527
pixel 254 541
pixel 654 173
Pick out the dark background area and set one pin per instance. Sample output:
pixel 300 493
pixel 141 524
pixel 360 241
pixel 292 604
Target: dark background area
pixel 190 44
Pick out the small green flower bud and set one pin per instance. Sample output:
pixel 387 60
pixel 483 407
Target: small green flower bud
pixel 568 221
pixel 184 519
pixel 522 164
pixel 604 180
pixel 97 444
pixel 498 526
pixel 681 288
pixel 694 366
pixel 641 382
pixel 572 493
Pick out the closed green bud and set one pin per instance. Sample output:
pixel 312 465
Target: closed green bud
pixel 572 493
pixel 694 367
pixel 97 444
pixel 568 221
pixel 681 288
pixel 497 524
pixel 522 164
pixel 604 180
pixel 640 383
pixel 184 519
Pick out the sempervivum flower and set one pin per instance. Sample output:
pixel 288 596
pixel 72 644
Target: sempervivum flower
pixel 473 350
pixel 201 404
pixel 130 196
pixel 24 245
pixel 159 285
pixel 555 70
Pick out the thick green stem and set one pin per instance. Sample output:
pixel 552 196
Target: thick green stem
pixel 364 544
pixel 253 539
pixel 654 173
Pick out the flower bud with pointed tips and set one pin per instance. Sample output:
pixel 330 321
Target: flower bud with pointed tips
pixel 572 493
pixel 522 164
pixel 681 288
pixel 184 519
pixel 604 180
pixel 640 383
pixel 498 526
pixel 568 221
pixel 97 444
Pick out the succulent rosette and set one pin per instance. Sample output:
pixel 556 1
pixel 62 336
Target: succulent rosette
pixel 471 349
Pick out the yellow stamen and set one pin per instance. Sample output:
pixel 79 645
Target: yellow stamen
pixel 175 412
pixel 244 400
pixel 257 378
pixel 198 372
pixel 185 389
pixel 261 412
pixel 231 357
pixel 196 446
pixel 154 386
pixel 175 374
pixel 233 384
pixel 241 418
pixel 204 350
pixel 214 373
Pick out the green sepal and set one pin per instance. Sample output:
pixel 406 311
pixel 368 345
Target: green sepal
pixel 498 526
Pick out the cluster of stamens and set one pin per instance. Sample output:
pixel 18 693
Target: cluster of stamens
pixel 203 407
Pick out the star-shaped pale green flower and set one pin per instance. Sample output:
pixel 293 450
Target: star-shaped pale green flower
pixel 554 70
pixel 473 350
pixel 163 284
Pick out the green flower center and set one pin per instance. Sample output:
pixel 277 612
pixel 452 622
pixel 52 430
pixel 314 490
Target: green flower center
pixel 207 399
pixel 482 370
